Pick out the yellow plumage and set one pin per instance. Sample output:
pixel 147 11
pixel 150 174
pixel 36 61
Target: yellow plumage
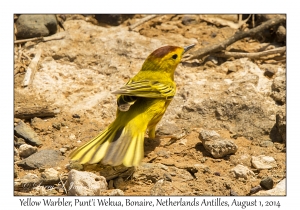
pixel 142 102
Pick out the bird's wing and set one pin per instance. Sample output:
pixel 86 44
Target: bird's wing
pixel 148 89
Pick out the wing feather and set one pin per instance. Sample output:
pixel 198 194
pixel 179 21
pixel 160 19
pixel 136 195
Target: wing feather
pixel 148 89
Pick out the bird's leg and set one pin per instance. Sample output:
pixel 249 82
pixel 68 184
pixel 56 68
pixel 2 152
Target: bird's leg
pixel 151 132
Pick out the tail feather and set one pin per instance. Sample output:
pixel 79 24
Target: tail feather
pixel 85 153
pixel 135 152
pixel 117 148
pixel 114 146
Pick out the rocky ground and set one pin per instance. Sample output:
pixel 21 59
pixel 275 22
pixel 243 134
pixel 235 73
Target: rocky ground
pixel 228 113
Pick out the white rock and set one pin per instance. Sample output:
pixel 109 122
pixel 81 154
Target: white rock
pixel 30 176
pixel 50 176
pixel 263 84
pixel 85 183
pixel 209 135
pixel 279 189
pixel 183 142
pixel 228 81
pixel 242 171
pixel 72 136
pixel 63 150
pixel 217 146
pixel 263 162
pixel 51 172
pixel 26 150
pixel 116 192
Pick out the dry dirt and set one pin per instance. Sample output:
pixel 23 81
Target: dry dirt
pixel 215 179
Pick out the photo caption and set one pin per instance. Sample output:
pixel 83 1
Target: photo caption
pixel 152 202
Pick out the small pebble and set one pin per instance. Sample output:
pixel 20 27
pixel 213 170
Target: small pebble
pixel 227 185
pixel 266 144
pixel 63 150
pixel 72 136
pixel 233 193
pixel 26 150
pixel 56 126
pixel 263 162
pixel 42 169
pixel 67 146
pixel 16 120
pixel 188 20
pixel 202 160
pixel 75 165
pixel 206 170
pixel 215 145
pixel 213 59
pixel 50 176
pixel 209 64
pixel 168 177
pixel 183 142
pixel 269 73
pixel 241 171
pixel 61 190
pixel 116 192
pixel 231 69
pixel 213 35
pixel 27 133
pixel 217 174
pixel 163 153
pixel 267 183
pixel 235 136
pixel 75 116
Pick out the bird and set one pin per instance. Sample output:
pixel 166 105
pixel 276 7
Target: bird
pixel 141 102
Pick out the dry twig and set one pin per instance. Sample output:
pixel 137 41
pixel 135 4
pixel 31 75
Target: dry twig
pixel 253 21
pixel 30 112
pixel 143 20
pixel 237 36
pixel 27 56
pixel 31 39
pixel 255 55
pixel 31 69
pixel 43 39
pixel 63 185
pixel 221 21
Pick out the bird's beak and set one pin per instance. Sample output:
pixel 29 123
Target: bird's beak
pixel 187 48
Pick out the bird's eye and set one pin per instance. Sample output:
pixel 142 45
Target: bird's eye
pixel 174 56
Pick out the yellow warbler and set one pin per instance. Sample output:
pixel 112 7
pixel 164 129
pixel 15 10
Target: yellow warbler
pixel 141 105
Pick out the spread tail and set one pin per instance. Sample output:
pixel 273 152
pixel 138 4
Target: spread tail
pixel 114 146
